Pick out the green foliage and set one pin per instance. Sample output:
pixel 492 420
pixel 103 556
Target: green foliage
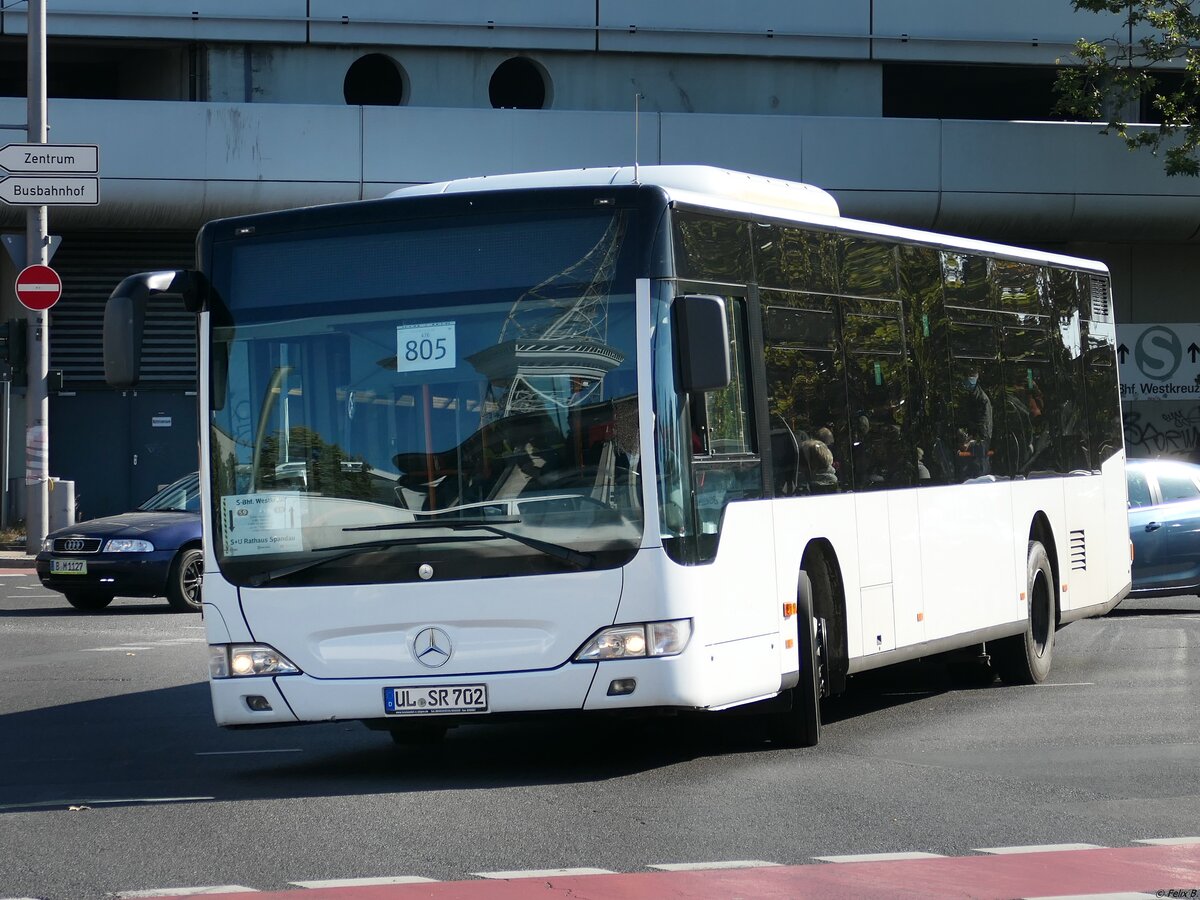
pixel 1114 76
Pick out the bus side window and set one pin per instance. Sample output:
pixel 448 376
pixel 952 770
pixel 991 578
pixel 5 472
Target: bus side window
pixel 877 384
pixel 725 461
pixel 806 393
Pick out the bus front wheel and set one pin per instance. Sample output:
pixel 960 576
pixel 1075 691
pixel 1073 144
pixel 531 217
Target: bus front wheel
pixel 1025 658
pixel 800 724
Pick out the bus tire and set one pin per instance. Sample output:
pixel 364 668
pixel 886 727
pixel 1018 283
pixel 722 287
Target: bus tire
pixel 89 601
pixel 1025 658
pixel 800 724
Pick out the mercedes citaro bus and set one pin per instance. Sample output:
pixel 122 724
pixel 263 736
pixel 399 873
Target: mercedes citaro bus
pixel 614 440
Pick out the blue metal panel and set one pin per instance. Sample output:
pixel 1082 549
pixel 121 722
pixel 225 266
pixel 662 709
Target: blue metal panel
pixel 532 24
pixel 221 20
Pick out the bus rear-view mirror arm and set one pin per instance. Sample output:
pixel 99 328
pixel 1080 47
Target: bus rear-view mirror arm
pixel 701 343
pixel 125 318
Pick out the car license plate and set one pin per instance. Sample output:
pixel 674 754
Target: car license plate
pixel 68 567
pixel 423 699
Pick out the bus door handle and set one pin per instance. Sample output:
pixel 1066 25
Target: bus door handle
pixel 1153 526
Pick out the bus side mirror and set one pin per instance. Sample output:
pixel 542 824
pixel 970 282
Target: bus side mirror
pixel 125 319
pixel 701 343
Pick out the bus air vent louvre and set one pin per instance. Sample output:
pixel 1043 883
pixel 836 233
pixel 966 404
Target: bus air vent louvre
pixel 1079 550
pixel 1101 310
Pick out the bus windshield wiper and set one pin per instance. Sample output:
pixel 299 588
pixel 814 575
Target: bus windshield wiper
pixel 558 551
pixel 344 550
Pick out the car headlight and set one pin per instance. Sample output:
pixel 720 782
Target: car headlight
pixel 240 660
pixel 128 545
pixel 639 640
pixel 47 544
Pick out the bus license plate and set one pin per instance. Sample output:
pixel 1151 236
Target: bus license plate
pixel 423 699
pixel 68 567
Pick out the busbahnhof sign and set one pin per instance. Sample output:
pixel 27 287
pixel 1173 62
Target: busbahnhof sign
pixel 1159 361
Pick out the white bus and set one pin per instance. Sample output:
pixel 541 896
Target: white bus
pixel 620 441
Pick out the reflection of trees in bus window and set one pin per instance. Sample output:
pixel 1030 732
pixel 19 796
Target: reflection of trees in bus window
pixel 713 249
pixel 967 279
pixel 1016 286
pixel 1066 357
pixel 796 259
pixel 925 330
pixel 882 452
pixel 868 268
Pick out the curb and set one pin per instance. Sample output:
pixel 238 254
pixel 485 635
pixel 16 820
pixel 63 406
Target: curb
pixel 17 562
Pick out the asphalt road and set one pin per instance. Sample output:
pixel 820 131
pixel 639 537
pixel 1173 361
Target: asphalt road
pixel 114 779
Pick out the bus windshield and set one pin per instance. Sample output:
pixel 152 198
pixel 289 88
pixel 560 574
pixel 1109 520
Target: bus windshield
pixel 442 395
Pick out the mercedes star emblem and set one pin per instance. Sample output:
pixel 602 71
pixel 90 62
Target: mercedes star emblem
pixel 432 647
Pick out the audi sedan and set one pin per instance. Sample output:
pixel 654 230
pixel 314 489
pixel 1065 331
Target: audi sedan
pixel 154 551
pixel 1164 525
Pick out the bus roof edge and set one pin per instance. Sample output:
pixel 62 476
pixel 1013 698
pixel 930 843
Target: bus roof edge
pixel 742 186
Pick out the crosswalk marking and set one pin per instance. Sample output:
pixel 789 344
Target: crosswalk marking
pixel 187 891
pixel 1038 848
pixel 701 866
pixel 363 882
pixel 542 873
pixel 878 857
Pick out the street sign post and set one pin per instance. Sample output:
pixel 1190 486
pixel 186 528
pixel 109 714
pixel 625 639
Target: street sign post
pixel 51 159
pixel 50 190
pixel 38 287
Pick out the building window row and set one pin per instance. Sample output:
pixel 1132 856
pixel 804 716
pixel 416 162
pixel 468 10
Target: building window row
pixel 378 80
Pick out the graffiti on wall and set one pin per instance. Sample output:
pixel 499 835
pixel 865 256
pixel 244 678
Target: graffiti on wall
pixel 1162 429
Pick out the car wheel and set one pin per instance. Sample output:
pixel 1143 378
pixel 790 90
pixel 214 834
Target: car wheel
pixel 89 601
pixel 183 585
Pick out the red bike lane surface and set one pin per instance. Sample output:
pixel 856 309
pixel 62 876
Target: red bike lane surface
pixel 1168 871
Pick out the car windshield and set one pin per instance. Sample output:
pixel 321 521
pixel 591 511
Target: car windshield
pixel 180 496
pixel 433 373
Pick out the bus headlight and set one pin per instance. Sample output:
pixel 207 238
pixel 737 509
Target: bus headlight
pixel 640 640
pixel 239 660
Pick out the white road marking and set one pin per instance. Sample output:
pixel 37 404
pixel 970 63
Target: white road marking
pixel 1169 842
pixel 114 649
pixel 246 752
pixel 1065 684
pixel 878 857
pixel 43 804
pixel 363 882
pixel 700 866
pixel 1038 848
pixel 188 891
pixel 542 873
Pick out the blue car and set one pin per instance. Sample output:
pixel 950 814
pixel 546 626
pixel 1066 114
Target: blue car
pixel 154 551
pixel 1164 525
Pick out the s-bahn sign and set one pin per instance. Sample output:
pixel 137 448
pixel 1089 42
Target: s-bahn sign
pixel 1159 361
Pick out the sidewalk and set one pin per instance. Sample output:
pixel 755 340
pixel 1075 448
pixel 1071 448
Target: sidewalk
pixel 15 559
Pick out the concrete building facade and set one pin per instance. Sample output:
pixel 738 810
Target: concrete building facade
pixel 936 114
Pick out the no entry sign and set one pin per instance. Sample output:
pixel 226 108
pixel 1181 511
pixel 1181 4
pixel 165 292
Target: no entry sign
pixel 38 287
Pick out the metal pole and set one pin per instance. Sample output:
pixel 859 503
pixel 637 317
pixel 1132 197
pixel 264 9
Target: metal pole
pixel 37 229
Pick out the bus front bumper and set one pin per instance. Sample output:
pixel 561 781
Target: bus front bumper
pixel 658 683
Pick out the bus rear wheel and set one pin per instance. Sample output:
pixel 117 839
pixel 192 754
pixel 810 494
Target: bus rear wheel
pixel 1025 658
pixel 800 724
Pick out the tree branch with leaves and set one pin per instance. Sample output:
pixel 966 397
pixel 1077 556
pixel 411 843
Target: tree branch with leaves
pixel 1121 73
